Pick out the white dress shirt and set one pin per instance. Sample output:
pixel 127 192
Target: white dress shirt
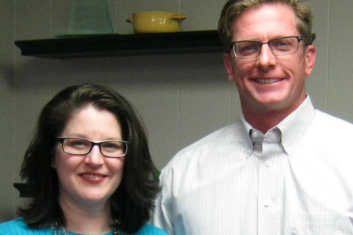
pixel 295 179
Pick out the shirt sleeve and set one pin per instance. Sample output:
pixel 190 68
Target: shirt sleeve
pixel 162 216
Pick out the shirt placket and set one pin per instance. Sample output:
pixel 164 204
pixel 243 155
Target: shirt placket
pixel 271 154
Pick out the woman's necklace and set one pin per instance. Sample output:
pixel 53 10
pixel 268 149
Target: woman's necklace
pixel 61 230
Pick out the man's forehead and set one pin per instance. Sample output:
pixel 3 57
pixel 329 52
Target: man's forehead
pixel 277 19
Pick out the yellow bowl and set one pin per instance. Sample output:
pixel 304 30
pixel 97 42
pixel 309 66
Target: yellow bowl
pixel 156 21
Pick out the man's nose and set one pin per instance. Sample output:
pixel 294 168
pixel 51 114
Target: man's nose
pixel 266 58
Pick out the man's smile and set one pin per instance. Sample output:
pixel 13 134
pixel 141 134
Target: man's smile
pixel 266 81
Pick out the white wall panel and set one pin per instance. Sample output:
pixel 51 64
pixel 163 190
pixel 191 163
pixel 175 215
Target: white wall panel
pixel 317 83
pixel 7 104
pixel 202 15
pixel 340 82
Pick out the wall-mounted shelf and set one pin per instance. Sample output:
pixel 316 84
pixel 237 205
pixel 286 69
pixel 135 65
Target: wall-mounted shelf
pixel 121 45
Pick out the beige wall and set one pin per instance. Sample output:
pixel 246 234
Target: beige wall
pixel 7 106
pixel 180 97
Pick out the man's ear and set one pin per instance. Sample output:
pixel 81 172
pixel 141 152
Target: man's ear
pixel 310 57
pixel 228 64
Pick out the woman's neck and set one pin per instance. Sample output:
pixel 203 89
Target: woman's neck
pixel 86 218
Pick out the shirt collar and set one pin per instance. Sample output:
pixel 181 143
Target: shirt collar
pixel 296 124
pixel 293 127
pixel 247 128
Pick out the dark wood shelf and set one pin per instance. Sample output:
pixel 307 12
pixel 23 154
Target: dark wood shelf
pixel 122 45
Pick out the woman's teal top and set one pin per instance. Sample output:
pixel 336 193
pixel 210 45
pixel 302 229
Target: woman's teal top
pixel 18 227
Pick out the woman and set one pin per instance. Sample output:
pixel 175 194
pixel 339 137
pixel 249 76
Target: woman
pixel 89 167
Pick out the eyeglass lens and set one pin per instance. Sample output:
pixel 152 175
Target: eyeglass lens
pixel 83 146
pixel 278 46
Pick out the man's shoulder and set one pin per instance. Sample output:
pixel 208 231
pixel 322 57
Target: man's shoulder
pixel 330 132
pixel 230 134
pixel 230 131
pixel 328 121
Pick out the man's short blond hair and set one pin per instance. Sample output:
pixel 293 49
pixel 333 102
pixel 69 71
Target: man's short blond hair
pixel 233 8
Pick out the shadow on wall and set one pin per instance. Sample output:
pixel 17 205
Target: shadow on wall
pixel 153 69
pixel 7 74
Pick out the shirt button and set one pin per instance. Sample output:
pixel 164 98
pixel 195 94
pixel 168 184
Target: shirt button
pixel 268 163
pixel 267 203
pixel 254 134
pixel 294 231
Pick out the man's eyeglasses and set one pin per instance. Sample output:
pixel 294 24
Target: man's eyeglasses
pixel 82 146
pixel 279 46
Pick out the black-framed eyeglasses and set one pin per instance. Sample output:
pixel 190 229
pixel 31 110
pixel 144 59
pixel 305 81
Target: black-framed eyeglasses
pixel 279 46
pixel 82 146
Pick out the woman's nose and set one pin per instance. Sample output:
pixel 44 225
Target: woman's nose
pixel 95 157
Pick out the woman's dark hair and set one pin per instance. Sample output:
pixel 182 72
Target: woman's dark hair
pixel 132 202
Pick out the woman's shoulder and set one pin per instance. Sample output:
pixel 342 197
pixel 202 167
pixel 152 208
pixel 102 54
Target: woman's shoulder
pixel 19 227
pixel 12 225
pixel 149 229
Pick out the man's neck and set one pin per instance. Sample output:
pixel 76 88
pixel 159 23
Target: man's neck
pixel 264 117
pixel 264 120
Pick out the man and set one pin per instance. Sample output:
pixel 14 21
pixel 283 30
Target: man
pixel 285 168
